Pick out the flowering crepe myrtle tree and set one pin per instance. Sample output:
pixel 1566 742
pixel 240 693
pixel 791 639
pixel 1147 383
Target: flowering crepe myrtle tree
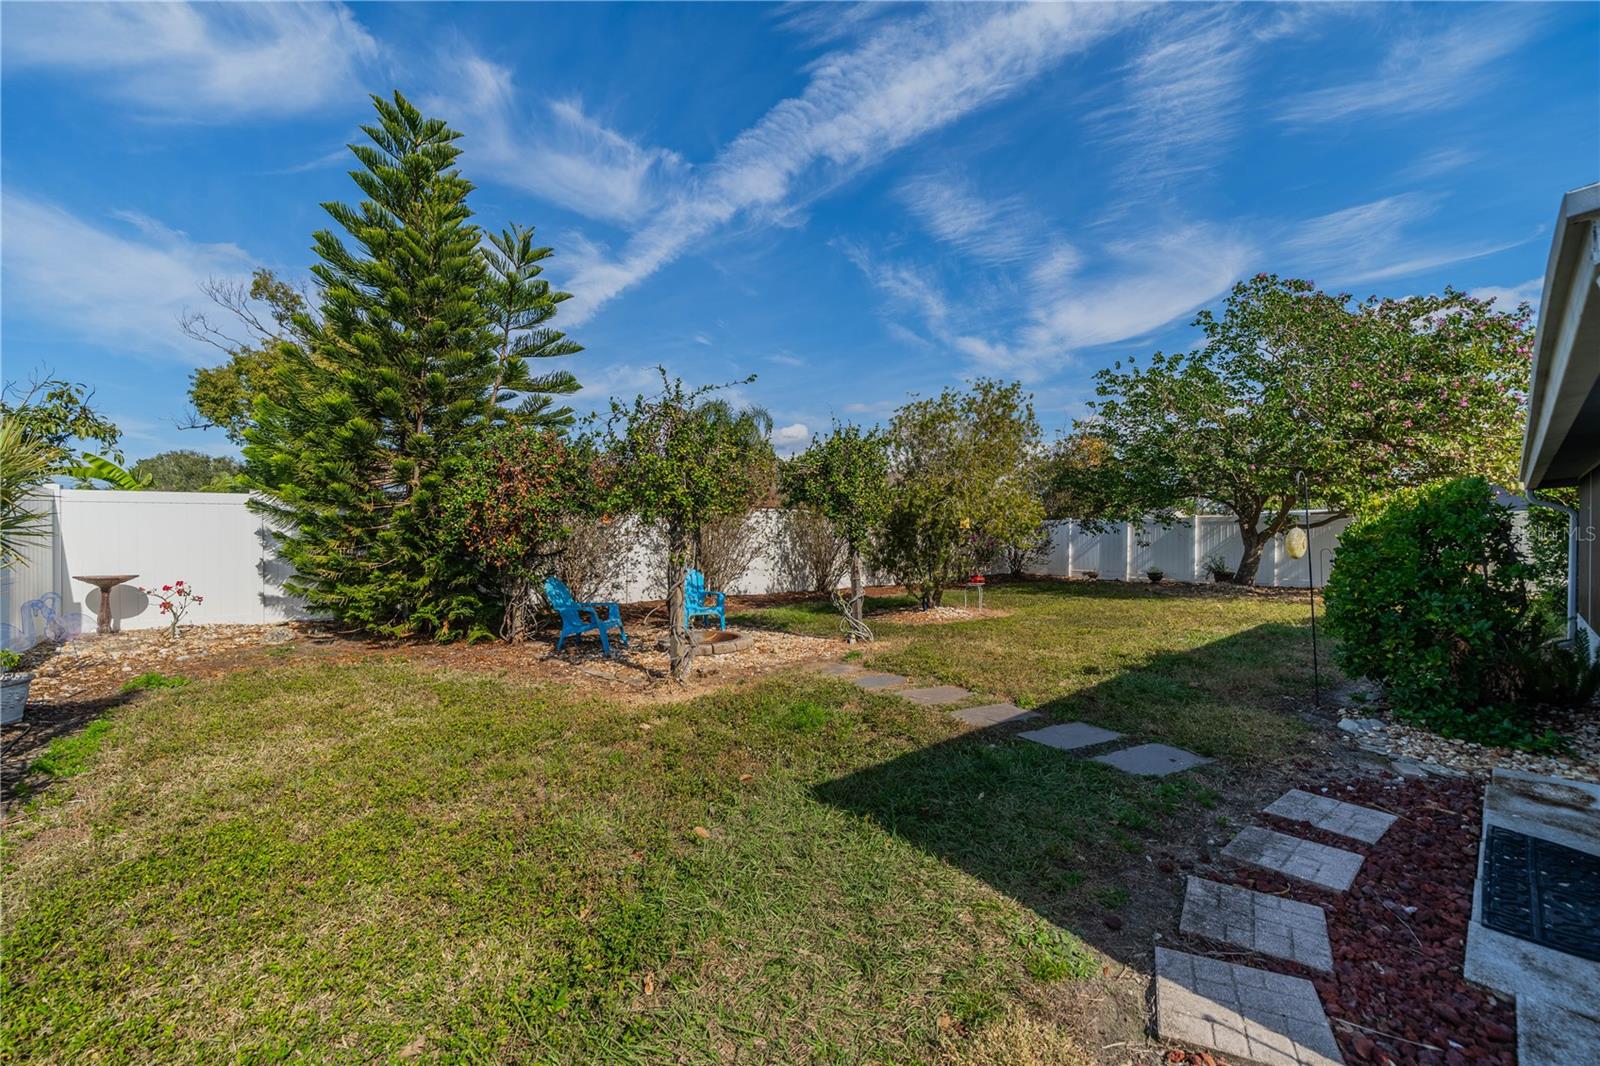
pixel 682 459
pixel 844 477
pixel 1296 387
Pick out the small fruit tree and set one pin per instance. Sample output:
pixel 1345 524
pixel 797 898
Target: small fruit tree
pixel 960 475
pixel 682 459
pixel 845 478
pixel 510 506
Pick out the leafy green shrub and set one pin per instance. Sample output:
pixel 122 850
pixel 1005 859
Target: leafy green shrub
pixel 1560 675
pixel 154 679
pixel 1432 597
pixel 509 508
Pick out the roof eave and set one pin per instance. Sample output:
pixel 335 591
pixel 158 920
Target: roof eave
pixel 1572 269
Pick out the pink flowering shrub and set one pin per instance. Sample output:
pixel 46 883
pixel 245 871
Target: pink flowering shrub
pixel 176 600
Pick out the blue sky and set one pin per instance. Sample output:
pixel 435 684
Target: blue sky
pixel 851 202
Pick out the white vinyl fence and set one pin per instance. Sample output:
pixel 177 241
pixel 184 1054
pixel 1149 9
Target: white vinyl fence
pixel 210 540
pixel 216 543
pixel 1126 550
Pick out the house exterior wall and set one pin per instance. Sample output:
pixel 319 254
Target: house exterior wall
pixel 1588 550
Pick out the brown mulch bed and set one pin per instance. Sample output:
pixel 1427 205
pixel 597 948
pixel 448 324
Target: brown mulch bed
pixel 1397 994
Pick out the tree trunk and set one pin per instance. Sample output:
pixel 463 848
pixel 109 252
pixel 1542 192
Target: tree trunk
pixel 857 582
pixel 1254 540
pixel 679 650
pixel 514 625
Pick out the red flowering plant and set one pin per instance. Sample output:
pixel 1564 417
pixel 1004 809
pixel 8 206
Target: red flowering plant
pixel 176 600
pixel 510 507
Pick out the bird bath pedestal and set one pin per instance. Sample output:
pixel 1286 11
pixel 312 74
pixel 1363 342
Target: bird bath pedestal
pixel 105 583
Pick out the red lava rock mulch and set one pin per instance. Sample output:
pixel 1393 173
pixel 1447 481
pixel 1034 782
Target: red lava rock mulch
pixel 1399 933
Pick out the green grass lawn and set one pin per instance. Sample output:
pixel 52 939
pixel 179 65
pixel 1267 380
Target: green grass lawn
pixel 377 861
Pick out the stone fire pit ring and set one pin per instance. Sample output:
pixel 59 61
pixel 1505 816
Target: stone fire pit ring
pixel 720 641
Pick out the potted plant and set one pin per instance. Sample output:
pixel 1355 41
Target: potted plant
pixel 1155 575
pixel 13 687
pixel 1217 567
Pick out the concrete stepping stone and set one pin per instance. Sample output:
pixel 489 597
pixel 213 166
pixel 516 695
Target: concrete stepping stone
pixel 837 669
pixel 936 695
pixel 1551 1033
pixel 1241 1012
pixel 1268 925
pixel 1069 736
pixel 1299 860
pixel 1335 816
pixel 1151 760
pixel 879 682
pixel 993 714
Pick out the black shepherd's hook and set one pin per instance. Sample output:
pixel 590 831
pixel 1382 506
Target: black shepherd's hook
pixel 1311 590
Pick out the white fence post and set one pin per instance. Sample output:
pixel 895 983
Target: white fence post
pixel 1194 535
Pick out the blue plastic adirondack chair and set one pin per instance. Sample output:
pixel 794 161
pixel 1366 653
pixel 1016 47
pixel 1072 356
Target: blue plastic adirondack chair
pixel 579 618
pixel 695 605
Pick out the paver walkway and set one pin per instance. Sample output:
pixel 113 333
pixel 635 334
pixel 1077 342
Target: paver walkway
pixel 879 682
pixel 1152 760
pixel 1335 816
pixel 1301 860
pixel 936 695
pixel 1070 735
pixel 1264 1017
pixel 1269 925
pixel 993 714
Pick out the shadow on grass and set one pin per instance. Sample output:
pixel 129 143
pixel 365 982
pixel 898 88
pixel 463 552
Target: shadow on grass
pixel 1086 846
pixel 46 727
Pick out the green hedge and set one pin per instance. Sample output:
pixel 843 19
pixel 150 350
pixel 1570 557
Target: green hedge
pixel 1432 597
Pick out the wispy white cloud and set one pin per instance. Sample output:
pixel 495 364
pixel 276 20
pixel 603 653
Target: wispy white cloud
pixel 1507 297
pixel 555 150
pixel 908 285
pixel 1001 230
pixel 1438 162
pixel 322 162
pixel 621 380
pixel 1425 70
pixel 1374 242
pixel 907 78
pixel 95 281
pixel 827 22
pixel 1138 285
pixel 199 62
pixel 791 438
pixel 1184 95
